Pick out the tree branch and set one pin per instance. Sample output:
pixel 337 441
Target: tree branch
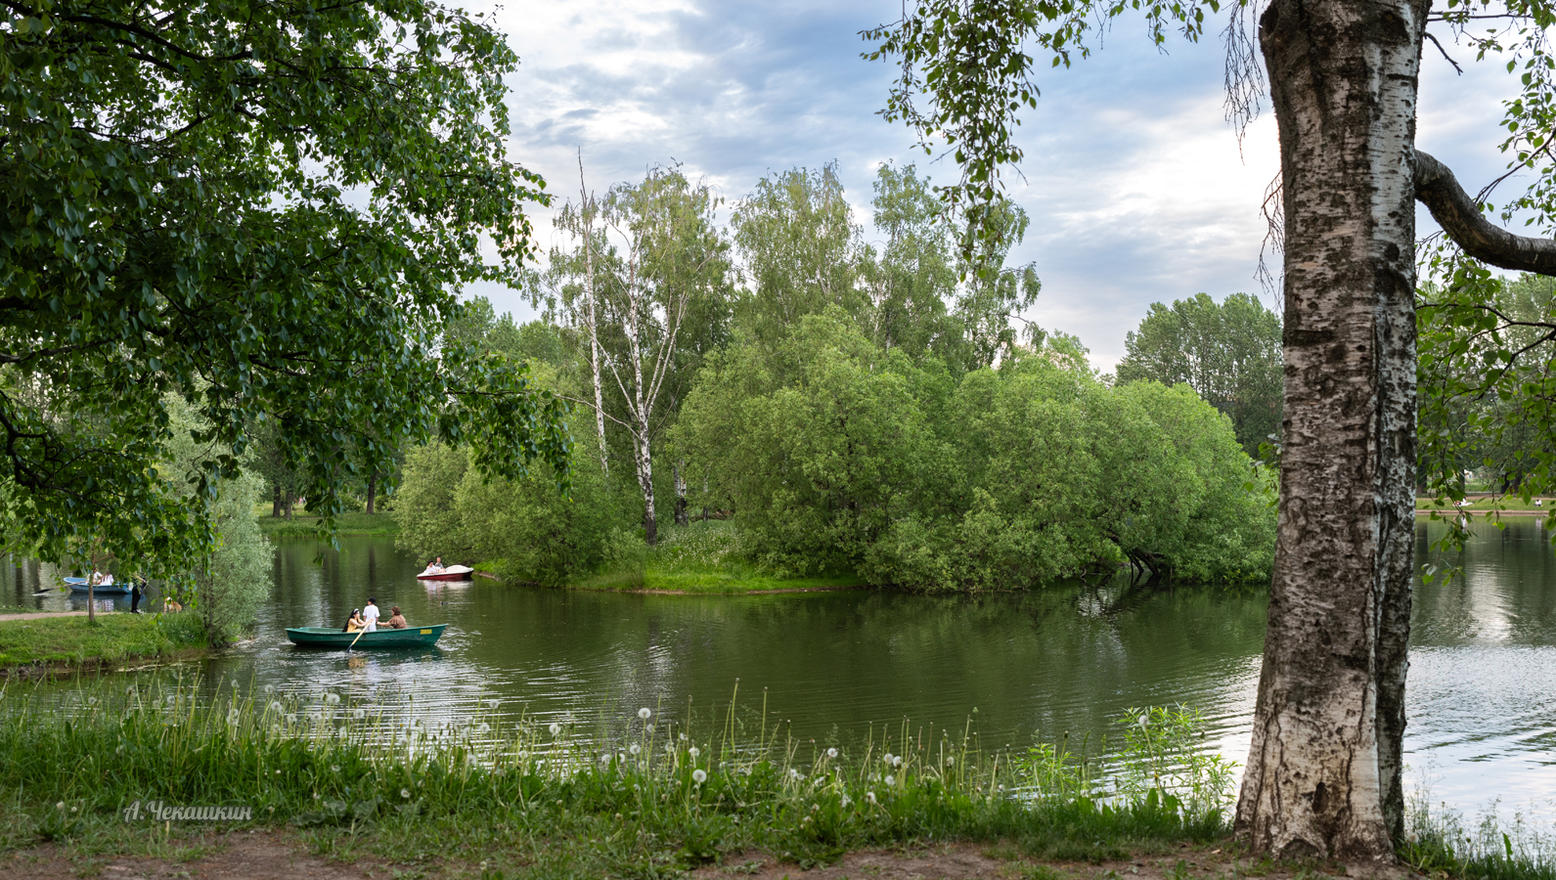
pixel 1461 218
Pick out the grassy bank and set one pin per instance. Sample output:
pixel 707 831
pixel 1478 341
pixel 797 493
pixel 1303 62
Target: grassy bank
pixel 702 557
pixel 346 525
pixel 648 798
pixel 112 638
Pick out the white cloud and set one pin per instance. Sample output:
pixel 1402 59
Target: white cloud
pixel 1136 187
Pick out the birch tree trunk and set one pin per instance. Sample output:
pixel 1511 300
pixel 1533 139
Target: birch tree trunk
pixel 681 519
pixel 586 212
pixel 1323 772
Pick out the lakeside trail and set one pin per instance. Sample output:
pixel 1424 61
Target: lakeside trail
pixel 263 854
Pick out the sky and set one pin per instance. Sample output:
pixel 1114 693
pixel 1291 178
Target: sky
pixel 1138 189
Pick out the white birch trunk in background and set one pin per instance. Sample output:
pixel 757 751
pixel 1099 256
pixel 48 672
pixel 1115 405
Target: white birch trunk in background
pixel 1322 775
pixel 586 209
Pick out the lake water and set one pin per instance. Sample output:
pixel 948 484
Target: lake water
pixel 1482 685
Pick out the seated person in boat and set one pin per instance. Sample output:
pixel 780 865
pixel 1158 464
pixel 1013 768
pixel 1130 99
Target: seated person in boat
pixel 353 623
pixel 436 565
pixel 101 580
pixel 396 619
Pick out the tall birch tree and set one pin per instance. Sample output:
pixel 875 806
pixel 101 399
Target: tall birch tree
pixel 646 285
pixel 1324 770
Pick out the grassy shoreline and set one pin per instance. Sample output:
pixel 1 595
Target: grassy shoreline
pixel 489 798
pixel 701 558
pixel 51 645
pixel 653 797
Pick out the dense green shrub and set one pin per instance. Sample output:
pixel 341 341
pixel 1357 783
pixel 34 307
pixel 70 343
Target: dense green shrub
pixel 836 454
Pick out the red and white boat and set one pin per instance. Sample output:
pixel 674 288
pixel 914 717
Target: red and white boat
pixel 450 573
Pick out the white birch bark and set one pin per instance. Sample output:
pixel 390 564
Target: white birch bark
pixel 591 313
pixel 1322 775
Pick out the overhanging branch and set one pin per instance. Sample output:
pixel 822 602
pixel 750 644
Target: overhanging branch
pixel 1461 218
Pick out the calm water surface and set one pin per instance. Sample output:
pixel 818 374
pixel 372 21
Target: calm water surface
pixel 1482 692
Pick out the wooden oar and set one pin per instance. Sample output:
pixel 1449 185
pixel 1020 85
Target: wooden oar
pixel 354 641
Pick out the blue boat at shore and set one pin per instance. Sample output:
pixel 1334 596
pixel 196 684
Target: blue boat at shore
pixel 79 585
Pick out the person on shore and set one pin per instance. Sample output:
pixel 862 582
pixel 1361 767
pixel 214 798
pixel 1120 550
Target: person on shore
pixel 396 619
pixel 370 615
pixel 353 623
pixel 135 594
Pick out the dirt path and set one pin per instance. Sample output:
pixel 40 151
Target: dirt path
pixel 268 854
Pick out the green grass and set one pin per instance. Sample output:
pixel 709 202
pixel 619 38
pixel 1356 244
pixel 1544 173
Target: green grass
pixel 114 637
pixel 1495 502
pixel 1444 844
pixel 346 525
pixel 704 557
pixel 649 797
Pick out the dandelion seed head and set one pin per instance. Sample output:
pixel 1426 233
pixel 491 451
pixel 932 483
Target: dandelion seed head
pixel 699 776
pixel 887 757
pixel 405 793
pixel 555 728
pixel 270 688
pixel 275 707
pixel 870 796
pixel 896 760
pixel 635 748
pixel 332 698
pixel 831 753
pixel 645 713
pixel 890 779
pixel 359 713
pixel 483 729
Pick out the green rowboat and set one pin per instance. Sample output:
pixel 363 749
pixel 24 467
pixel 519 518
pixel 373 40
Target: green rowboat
pixel 328 637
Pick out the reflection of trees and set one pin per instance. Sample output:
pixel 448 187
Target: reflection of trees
pixel 1025 662
pixel 1500 595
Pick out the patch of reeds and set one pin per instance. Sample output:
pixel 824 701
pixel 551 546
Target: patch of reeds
pixel 654 794
pixel 1442 842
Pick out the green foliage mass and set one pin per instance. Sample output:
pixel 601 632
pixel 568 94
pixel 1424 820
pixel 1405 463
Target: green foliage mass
pixel 863 415
pixel 835 454
pixel 450 509
pixel 266 211
pixel 226 585
pixel 1228 352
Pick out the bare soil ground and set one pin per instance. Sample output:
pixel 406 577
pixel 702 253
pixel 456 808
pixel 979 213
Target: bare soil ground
pixel 276 854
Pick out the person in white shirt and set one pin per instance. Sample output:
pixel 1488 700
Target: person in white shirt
pixel 370 615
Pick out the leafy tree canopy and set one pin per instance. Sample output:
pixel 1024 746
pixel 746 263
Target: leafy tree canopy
pixel 266 209
pixel 1228 352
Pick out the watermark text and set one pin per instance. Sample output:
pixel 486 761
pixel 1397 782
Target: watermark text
pixel 162 811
